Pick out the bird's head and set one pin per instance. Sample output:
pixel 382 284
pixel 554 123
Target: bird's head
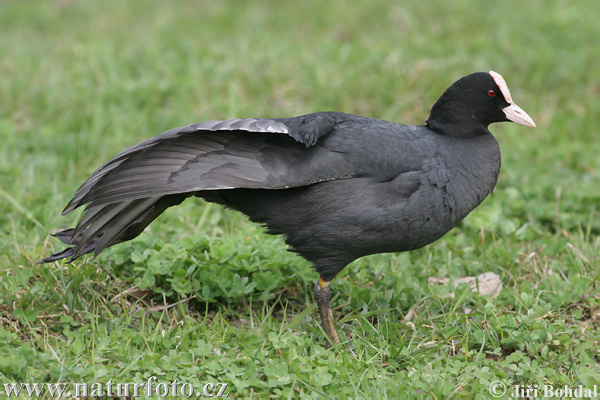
pixel 472 103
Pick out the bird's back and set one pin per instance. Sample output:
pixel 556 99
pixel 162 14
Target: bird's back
pixel 411 186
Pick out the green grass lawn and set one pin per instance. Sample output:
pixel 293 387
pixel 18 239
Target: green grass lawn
pixel 204 296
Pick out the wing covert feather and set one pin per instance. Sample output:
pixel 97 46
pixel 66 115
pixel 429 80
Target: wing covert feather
pixel 213 155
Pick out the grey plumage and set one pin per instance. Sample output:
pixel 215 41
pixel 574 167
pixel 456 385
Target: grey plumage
pixel 353 152
pixel 338 186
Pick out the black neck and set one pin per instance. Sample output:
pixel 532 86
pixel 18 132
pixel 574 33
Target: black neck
pixel 447 120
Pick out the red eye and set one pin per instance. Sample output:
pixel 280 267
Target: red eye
pixel 491 93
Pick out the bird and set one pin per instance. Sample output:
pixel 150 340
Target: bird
pixel 337 186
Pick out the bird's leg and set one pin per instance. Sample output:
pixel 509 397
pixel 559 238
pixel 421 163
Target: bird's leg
pixel 323 295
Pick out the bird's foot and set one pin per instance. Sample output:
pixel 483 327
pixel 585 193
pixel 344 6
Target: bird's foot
pixel 323 295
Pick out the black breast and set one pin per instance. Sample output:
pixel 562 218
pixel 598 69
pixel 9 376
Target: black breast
pixel 333 223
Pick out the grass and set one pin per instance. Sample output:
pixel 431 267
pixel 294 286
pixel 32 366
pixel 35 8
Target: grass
pixel 204 296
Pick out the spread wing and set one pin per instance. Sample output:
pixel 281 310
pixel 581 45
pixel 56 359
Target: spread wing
pixel 124 195
pixel 237 153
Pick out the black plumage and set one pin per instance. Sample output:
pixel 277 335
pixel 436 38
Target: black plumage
pixel 338 186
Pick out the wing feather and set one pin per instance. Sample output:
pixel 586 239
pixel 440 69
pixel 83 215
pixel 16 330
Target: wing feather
pixel 214 155
pixel 127 193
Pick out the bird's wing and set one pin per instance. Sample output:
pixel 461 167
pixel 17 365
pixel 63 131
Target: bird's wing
pixel 236 153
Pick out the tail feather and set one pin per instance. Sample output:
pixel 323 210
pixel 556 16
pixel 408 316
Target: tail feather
pixel 104 226
pixel 120 222
pixel 66 236
pixel 103 221
pixel 91 215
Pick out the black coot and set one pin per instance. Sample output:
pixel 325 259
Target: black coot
pixel 338 186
